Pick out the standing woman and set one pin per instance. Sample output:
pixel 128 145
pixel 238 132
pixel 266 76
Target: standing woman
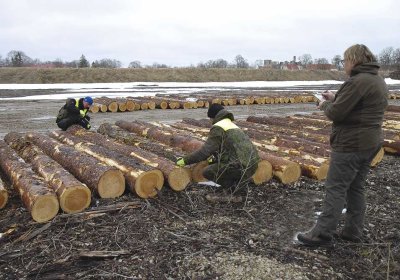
pixel 357 114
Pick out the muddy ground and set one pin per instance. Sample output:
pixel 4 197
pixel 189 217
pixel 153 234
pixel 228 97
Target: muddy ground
pixel 181 235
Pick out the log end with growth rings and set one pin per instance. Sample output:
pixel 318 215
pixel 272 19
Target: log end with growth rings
pixel 149 183
pixel 321 172
pixel 197 171
pixel 263 172
pixel 75 199
pixel 179 178
pixel 291 173
pixel 111 184
pixel 45 208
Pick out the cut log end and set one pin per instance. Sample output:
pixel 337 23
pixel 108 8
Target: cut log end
pixel 263 172
pixel 378 157
pixel 75 199
pixel 197 172
pixel 3 198
pixel 45 208
pixel 321 172
pixel 179 178
pixel 111 184
pixel 149 183
pixel 291 173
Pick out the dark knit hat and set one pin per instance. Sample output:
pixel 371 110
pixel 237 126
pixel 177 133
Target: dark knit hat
pixel 214 109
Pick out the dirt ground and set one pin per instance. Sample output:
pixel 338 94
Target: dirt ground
pixel 180 235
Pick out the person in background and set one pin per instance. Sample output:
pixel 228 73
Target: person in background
pixel 233 159
pixel 74 112
pixel 357 112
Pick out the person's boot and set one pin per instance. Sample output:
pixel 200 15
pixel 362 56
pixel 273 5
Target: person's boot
pixel 314 240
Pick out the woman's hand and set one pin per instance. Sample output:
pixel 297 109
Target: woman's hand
pixel 328 95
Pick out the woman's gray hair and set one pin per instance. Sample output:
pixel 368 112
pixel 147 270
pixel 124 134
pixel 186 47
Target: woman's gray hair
pixel 359 54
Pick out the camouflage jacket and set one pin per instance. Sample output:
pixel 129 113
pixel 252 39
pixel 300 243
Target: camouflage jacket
pixel 227 143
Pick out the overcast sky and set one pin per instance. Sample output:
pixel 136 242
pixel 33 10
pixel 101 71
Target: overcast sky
pixel 185 32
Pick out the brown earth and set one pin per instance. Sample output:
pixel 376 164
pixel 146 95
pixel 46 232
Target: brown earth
pixel 180 235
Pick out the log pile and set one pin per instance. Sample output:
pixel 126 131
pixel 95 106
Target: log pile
pixel 73 196
pixel 63 168
pixel 38 198
pixel 104 180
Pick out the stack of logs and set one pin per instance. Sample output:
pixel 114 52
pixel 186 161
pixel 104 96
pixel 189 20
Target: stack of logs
pixel 179 101
pixel 63 169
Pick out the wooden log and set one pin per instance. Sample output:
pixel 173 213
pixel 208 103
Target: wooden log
pixel 177 177
pixel 393 108
pixel 143 180
pixel 37 196
pixel 284 170
pixel 128 138
pixel 106 181
pixel 73 196
pixel 94 108
pixel 3 195
pixel 392 147
pixel 130 105
pixel 159 149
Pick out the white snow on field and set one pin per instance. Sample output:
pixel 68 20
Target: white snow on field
pixel 151 88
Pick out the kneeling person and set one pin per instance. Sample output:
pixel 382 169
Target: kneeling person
pixel 235 158
pixel 74 112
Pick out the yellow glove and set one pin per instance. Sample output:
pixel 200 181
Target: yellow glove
pixel 180 162
pixel 82 113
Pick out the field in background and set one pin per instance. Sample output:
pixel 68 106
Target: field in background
pixel 98 75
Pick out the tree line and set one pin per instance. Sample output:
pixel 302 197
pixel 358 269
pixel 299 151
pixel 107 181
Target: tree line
pixel 389 58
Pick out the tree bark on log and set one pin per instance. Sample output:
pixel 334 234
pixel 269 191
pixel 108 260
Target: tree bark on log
pixel 393 108
pixel 143 180
pixel 159 149
pixel 106 181
pixel 3 195
pixel 177 177
pixel 73 196
pixel 37 196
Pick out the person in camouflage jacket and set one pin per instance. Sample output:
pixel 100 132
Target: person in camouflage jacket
pixel 234 157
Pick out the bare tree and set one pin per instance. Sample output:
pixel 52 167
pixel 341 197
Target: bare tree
pixel 396 57
pixel 106 63
pixel 135 64
pixel 385 56
pixel 240 62
pixel 305 59
pixel 336 60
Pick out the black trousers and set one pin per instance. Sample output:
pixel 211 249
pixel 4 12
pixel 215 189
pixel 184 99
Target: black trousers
pixel 67 122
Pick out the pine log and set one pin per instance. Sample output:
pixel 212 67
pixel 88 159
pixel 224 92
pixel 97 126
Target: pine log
pixel 106 181
pixel 289 124
pixel 393 108
pixel 284 170
pixel 128 138
pixel 159 149
pixel 3 195
pixel 143 180
pixel 392 147
pixel 311 166
pixel 130 105
pixel 73 196
pixel 178 178
pixel 94 108
pixel 37 196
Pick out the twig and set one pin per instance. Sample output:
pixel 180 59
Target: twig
pixel 102 254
